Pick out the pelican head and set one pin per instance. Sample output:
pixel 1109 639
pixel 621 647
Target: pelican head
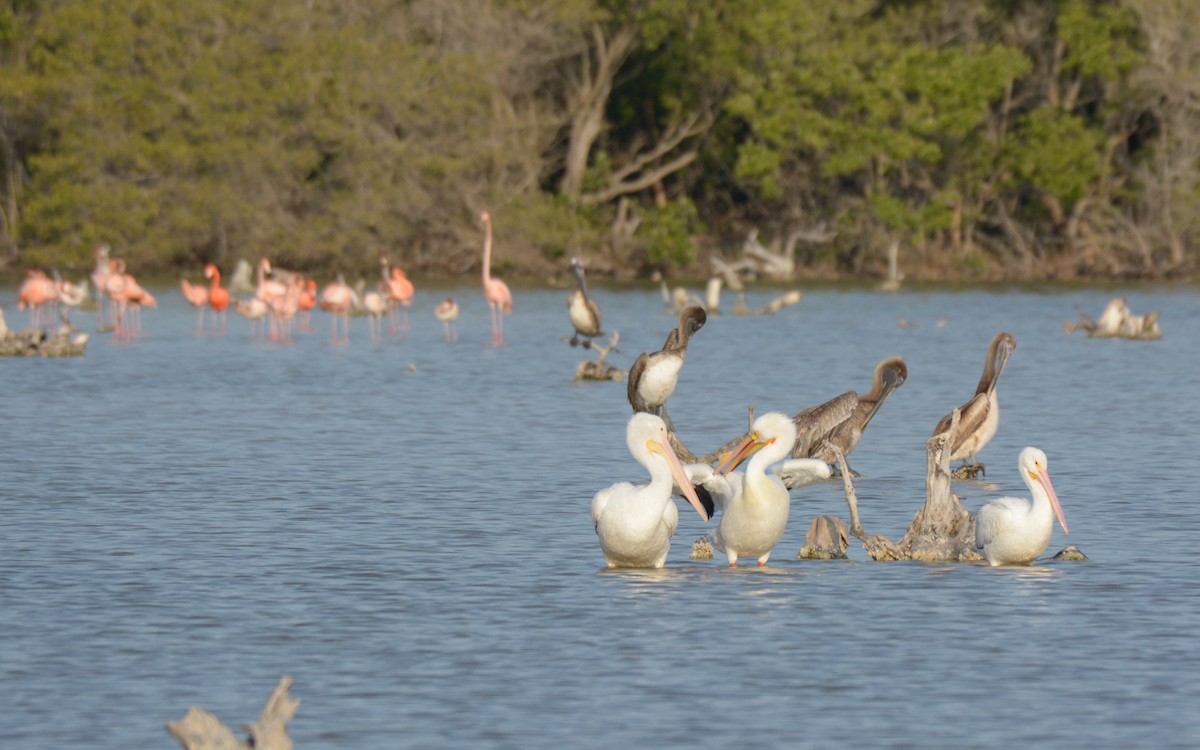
pixel 647 439
pixel 577 270
pixel 771 429
pixel 692 319
pixel 892 373
pixel 1001 348
pixel 1032 463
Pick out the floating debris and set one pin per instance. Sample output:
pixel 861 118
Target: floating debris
pixel 702 549
pixel 1070 552
pixel 67 341
pixel 596 369
pixel 1117 322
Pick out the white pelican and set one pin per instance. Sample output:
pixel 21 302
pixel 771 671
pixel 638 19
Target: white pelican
pixel 979 417
pixel 754 517
pixel 841 420
pixel 635 523
pixel 582 309
pixel 1113 318
pixel 1010 530
pixel 653 376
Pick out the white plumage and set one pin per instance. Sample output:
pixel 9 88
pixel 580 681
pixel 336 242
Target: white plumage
pixel 635 523
pixel 1013 531
pixel 755 514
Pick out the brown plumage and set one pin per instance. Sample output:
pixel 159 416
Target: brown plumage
pixel 653 376
pixel 979 417
pixel 582 309
pixel 841 420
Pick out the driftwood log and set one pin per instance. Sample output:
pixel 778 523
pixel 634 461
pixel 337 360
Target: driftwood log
pixel 1117 322
pixel 942 529
pixel 67 341
pixel 200 730
pixel 596 369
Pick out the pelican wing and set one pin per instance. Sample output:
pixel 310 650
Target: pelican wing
pixel 594 309
pixel 799 472
pixel 600 500
pixel 971 415
pixel 997 516
pixel 635 381
pixel 814 424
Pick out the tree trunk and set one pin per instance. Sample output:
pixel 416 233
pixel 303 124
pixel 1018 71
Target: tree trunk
pixel 598 69
pixel 942 530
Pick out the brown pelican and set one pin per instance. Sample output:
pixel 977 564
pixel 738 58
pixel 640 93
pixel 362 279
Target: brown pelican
pixel 653 376
pixel 635 523
pixel 841 420
pixel 582 309
pixel 1013 531
pixel 755 514
pixel 979 417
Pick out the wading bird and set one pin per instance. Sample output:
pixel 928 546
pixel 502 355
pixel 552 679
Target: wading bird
pixel 1013 531
pixel 197 297
pixel 447 312
pixel 399 294
pixel 755 515
pixel 582 309
pixel 635 523
pixel 653 377
pixel 842 419
pixel 979 417
pixel 338 298
pixel 218 296
pixel 495 291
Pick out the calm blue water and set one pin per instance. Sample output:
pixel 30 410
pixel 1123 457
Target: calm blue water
pixel 405 529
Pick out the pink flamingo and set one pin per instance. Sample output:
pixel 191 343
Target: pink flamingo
pixel 495 291
pixel 308 300
pixel 269 290
pixel 37 293
pixel 375 303
pixel 128 299
pixel 100 276
pixel 447 312
pixel 138 298
pixel 338 298
pixel 114 290
pixel 197 297
pixel 253 310
pixel 399 293
pixel 283 309
pixel 218 296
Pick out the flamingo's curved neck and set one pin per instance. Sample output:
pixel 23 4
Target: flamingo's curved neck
pixel 487 252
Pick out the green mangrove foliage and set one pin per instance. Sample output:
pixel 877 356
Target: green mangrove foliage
pixel 1042 138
